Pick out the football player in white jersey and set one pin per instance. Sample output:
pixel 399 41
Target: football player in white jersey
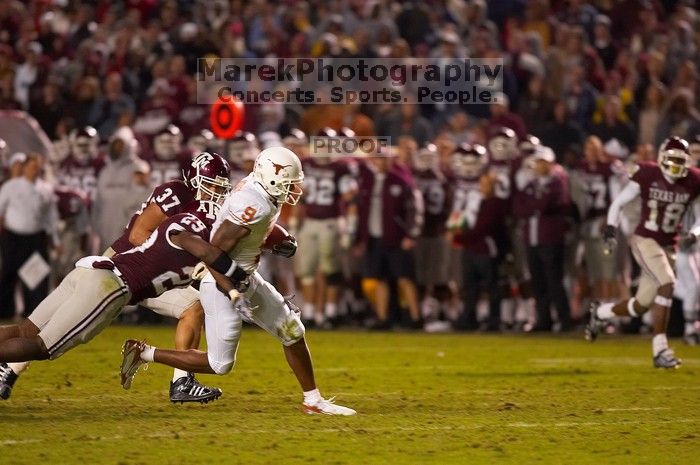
pixel 243 223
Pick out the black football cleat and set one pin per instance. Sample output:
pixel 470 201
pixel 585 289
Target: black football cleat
pixel 188 389
pixel 7 380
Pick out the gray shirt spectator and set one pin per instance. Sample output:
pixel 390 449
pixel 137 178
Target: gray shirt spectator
pixel 109 214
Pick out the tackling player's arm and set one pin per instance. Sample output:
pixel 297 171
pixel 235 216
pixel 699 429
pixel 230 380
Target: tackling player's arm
pixel 146 223
pixel 224 269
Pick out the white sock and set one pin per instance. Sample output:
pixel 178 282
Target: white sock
pixel 319 319
pixel 331 310
pixel 18 367
pixel 313 396
pixel 148 353
pixel 605 311
pixel 659 343
pixel 308 311
pixel 178 373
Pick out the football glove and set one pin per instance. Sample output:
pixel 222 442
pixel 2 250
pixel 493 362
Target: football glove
pixel 200 270
pixel 286 248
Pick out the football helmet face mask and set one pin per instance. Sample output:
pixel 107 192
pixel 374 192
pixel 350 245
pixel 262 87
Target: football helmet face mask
pixel 278 171
pixel 674 158
pixel 83 143
pixel 503 145
pixel 529 145
pixel 168 143
pixel 208 176
pixel 426 159
pixel 469 161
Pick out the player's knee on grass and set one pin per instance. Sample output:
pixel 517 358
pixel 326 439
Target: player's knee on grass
pixel 221 366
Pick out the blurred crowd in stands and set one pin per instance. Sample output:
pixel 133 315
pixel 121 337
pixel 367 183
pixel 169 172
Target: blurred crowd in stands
pixel 479 217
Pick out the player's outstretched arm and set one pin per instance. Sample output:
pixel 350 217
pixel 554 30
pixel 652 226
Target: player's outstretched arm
pixel 216 259
pixel 631 191
pixel 146 223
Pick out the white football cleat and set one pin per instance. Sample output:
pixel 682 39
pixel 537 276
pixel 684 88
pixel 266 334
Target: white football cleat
pixel 131 361
pixel 327 407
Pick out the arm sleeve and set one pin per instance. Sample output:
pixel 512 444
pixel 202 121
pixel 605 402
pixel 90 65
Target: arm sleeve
pixel 631 191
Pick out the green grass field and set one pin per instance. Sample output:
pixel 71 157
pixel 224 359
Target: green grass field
pixel 422 399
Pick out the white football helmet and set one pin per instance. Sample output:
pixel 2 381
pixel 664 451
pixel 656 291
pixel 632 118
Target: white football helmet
pixel 278 170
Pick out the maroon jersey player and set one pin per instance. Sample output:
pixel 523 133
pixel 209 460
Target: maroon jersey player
pixel 167 156
pixel 207 173
pixel 82 167
pixel 95 292
pixel 432 250
pixel 469 163
pixel 666 190
pixel 328 187
pixel 504 160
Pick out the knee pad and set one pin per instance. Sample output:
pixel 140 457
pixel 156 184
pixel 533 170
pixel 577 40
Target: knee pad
pixel 221 367
pixel 334 279
pixel 291 330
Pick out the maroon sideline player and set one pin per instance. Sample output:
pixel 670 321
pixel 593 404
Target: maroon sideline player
pixel 96 291
pixel 432 249
pixel 82 167
pixel 328 187
pixel 666 190
pixel 167 156
pixel 205 179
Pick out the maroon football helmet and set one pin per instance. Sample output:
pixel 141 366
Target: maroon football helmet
pixel 503 144
pixel 208 176
pixel 469 160
pixel 83 143
pixel 205 210
pixel 528 145
pixel 674 157
pixel 168 142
